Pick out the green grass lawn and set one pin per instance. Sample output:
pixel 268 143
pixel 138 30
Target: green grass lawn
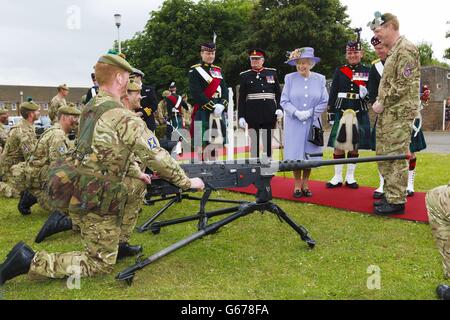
pixel 257 257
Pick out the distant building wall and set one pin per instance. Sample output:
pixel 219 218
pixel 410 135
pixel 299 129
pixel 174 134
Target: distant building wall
pixel 11 98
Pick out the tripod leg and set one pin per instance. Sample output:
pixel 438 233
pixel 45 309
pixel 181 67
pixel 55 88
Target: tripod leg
pixel 147 223
pixel 203 220
pixel 298 228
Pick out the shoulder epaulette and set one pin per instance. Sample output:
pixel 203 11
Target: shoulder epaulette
pixel 245 71
pixel 376 61
pixel 213 65
pixel 273 69
pixel 196 65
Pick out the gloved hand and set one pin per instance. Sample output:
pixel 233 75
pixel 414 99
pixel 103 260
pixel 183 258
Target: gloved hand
pixel 279 114
pixel 197 183
pixel 303 115
pixel 377 107
pixel 175 110
pixel 330 117
pixel 242 123
pixel 218 109
pixel 363 92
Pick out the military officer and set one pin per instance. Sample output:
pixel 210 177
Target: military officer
pixel 209 93
pixel 3 130
pixel 19 146
pixel 117 135
pixel 149 105
pixel 347 108
pixel 397 105
pixel 259 100
pixel 174 105
pixel 438 206
pixel 58 101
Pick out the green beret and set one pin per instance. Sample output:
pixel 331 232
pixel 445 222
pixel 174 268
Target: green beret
pixel 29 106
pixel 117 61
pixel 69 110
pixel 133 86
pixel 3 111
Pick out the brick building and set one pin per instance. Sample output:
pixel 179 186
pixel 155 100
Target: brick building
pixel 12 96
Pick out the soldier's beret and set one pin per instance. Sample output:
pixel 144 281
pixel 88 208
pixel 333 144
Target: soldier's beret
pixel 208 46
pixel 63 87
pixel 380 19
pixel 69 110
pixel 138 72
pixel 115 60
pixel 256 52
pixel 31 106
pixel 3 111
pixel 134 86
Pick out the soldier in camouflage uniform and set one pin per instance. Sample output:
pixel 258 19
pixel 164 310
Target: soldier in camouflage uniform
pixel 19 147
pixel 112 135
pixel 58 101
pixel 397 106
pixel 438 205
pixel 3 130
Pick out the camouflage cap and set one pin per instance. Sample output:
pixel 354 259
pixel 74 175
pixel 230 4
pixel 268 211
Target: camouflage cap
pixel 115 60
pixel 69 110
pixel 133 86
pixel 31 106
pixel 3 111
pixel 138 72
pixel 63 87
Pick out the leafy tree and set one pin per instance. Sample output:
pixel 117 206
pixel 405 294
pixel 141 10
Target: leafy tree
pixel 426 56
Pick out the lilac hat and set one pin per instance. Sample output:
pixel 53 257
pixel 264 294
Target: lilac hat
pixel 302 53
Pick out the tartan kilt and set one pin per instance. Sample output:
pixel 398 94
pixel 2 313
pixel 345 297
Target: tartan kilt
pixel 363 130
pixel 418 142
pixel 203 116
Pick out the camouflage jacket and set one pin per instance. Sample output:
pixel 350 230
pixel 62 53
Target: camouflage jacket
pixel 53 145
pixel 55 104
pixel 3 136
pixel 20 144
pixel 400 84
pixel 120 137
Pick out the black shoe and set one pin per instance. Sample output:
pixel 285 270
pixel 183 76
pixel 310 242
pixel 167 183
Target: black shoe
pixel 26 201
pixel 57 222
pixel 387 208
pixel 381 202
pixel 17 262
pixel 329 185
pixel 353 185
pixel 443 292
pixel 409 193
pixel 298 194
pixel 126 250
pixel 378 195
pixel 307 193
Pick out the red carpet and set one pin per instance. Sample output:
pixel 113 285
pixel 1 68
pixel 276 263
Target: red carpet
pixel 221 153
pixel 359 200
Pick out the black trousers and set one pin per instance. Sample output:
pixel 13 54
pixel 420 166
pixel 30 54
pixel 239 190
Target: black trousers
pixel 266 130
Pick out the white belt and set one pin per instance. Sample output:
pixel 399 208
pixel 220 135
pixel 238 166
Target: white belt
pixel 348 95
pixel 261 96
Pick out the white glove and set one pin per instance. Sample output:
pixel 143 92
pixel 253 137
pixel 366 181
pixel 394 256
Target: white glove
pixel 197 183
pixel 242 123
pixel 377 107
pixel 175 110
pixel 218 109
pixel 279 114
pixel 363 92
pixel 303 115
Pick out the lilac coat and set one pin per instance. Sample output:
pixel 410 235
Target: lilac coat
pixel 300 93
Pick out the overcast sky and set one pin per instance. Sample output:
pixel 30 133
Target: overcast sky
pixel 49 42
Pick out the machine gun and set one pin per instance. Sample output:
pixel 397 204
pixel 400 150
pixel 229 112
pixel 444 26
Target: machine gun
pixel 220 175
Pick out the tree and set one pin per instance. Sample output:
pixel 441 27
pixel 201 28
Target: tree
pixel 447 51
pixel 426 56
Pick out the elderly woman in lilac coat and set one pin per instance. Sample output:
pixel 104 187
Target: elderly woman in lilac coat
pixel 304 99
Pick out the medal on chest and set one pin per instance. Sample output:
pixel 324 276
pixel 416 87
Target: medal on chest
pixel 215 73
pixel 360 76
pixel 270 79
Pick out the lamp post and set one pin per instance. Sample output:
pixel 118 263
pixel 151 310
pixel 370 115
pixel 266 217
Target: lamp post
pixel 118 19
pixel 21 97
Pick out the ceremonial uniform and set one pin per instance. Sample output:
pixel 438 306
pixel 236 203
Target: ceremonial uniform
pixel 149 106
pixel 118 137
pixel 399 94
pixel 208 89
pixel 259 98
pixel 174 105
pixel 344 95
pixel 18 148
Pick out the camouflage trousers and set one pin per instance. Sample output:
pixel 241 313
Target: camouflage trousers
pixel 7 189
pixel 100 235
pixel 393 137
pixel 438 205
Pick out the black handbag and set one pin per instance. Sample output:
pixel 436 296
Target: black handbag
pixel 316 134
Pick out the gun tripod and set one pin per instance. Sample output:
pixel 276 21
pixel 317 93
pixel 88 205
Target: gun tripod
pixel 263 203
